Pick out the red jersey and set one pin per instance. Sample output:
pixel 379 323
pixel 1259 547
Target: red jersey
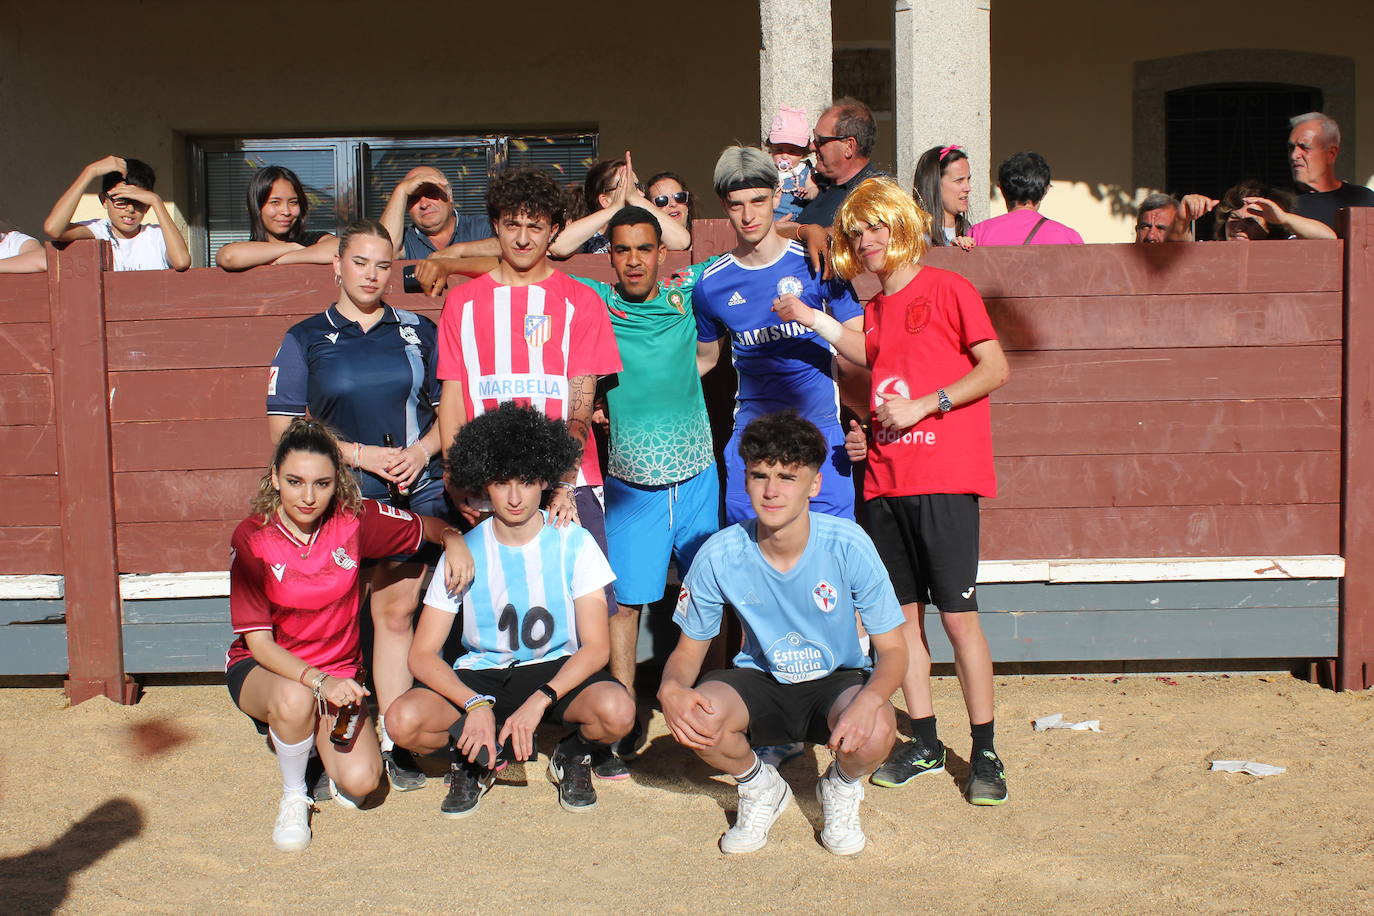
pixel 918 340
pixel 307 594
pixel 524 344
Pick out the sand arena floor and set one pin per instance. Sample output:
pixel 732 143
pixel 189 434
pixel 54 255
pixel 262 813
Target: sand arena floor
pixel 167 807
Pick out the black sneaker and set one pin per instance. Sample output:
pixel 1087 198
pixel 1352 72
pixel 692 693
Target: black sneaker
pixel 608 764
pixel 987 780
pixel 574 778
pixel 466 786
pixel 401 770
pixel 909 760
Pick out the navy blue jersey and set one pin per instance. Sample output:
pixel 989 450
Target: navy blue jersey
pixel 781 364
pixel 363 384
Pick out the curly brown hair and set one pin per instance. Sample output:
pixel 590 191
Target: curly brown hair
pixel 307 435
pixel 528 191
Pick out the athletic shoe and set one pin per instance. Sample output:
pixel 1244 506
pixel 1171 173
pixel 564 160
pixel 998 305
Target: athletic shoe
pixel 761 801
pixel 628 748
pixel 573 775
pixel 909 760
pixel 342 798
pixel 775 755
pixel 987 780
pixel 839 800
pixel 322 787
pixel 401 770
pixel 466 785
pixel 608 764
pixel 292 830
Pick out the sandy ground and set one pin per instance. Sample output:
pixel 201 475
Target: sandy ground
pixel 97 816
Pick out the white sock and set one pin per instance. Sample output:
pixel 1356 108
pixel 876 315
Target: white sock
pixel 292 759
pixel 387 743
pixel 752 773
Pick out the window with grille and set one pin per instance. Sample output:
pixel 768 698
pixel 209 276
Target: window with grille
pixel 1220 134
pixel 349 177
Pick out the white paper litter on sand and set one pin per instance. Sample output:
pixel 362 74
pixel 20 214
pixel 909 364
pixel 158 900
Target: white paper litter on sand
pixel 1057 721
pixel 1248 766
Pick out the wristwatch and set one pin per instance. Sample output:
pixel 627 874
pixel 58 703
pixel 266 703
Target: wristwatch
pixel 479 700
pixel 946 405
pixel 549 692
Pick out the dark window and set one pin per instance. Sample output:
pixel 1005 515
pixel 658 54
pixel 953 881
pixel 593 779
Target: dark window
pixel 1218 135
pixel 349 177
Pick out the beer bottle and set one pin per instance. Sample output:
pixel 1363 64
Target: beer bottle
pixel 400 498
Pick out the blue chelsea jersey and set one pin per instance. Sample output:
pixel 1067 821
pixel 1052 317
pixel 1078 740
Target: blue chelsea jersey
pixel 781 364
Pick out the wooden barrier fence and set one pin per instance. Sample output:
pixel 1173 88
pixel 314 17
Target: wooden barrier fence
pixel 1181 452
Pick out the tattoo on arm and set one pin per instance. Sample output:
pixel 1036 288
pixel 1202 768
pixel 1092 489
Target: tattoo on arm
pixel 581 395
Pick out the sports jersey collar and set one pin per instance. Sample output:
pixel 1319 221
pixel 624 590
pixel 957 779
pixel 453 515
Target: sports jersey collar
pixel 337 320
pixel 773 263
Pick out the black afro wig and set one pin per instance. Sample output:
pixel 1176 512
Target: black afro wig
pixel 511 443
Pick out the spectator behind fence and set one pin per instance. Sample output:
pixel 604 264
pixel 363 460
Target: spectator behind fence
pixel 604 192
pixel 20 253
pixel 1024 180
pixel 1256 210
pixel 942 186
pixel 1253 212
pixel 669 193
pixel 788 140
pixel 126 191
pixel 1313 145
pixel 1154 217
pixel 367 369
pixel 843 144
pixel 277 210
pixel 435 223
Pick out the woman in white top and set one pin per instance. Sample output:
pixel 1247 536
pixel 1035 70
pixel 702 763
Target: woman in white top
pixel 126 191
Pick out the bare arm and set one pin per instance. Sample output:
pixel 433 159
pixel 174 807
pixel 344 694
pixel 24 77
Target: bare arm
pixel 846 338
pixel 708 354
pixel 59 225
pixel 178 255
pixel 1191 208
pixel 858 721
pixel 243 255
pixel 685 708
pixel 432 273
pixel 989 373
pixel 581 401
pixel 452 413
pixel 1301 226
pixel 281 662
pixel 322 252
pixel 31 259
pixel 482 248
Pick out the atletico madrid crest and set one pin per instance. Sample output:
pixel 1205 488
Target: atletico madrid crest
pixel 537 330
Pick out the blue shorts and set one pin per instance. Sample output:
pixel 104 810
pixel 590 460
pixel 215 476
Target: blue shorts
pixel 837 480
pixel 649 525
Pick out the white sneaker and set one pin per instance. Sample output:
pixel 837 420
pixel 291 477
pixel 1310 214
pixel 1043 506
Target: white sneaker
pixel 292 831
pixel 840 804
pixel 342 799
pixel 761 801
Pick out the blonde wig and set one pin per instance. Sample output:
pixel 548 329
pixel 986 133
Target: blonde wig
pixel 880 201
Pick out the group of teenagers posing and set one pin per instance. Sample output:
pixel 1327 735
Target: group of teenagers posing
pixel 402 446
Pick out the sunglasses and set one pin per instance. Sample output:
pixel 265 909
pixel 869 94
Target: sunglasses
pixel 818 141
pixel 678 197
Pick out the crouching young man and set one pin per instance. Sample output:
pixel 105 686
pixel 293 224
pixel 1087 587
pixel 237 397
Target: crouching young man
pixel 796 579
pixel 535 626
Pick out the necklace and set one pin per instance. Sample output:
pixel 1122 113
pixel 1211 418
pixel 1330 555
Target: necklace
pixel 309 543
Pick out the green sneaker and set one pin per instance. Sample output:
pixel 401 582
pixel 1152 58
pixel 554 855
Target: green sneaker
pixel 987 780
pixel 907 761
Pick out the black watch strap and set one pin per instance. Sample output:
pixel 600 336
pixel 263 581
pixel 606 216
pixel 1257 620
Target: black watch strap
pixel 549 692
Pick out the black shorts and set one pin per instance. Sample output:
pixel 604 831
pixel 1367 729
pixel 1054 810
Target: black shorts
pixel 513 685
pixel 238 672
pixel 783 713
pixel 929 544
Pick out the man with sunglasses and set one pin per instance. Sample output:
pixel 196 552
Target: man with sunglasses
pixel 843 143
pixel 435 223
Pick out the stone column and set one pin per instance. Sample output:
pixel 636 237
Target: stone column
pixel 942 77
pixel 795 65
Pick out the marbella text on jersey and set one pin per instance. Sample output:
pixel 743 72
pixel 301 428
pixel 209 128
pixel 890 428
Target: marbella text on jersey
pixel 506 386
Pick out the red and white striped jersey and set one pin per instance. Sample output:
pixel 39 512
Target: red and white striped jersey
pixel 524 344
